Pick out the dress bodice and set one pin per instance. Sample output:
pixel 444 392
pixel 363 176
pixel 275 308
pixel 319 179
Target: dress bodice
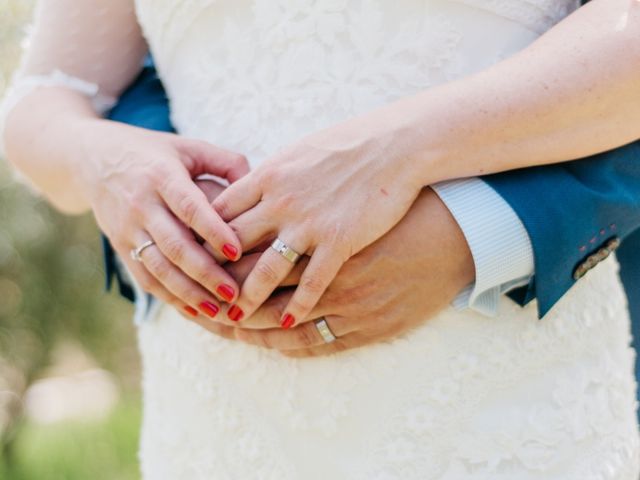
pixel 256 75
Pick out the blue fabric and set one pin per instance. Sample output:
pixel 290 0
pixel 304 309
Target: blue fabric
pixel 144 105
pixel 570 210
pixel 629 257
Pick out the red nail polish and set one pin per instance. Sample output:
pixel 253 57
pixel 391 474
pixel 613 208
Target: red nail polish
pixel 288 321
pixel 230 251
pixel 226 291
pixel 209 308
pixel 191 311
pixel 235 313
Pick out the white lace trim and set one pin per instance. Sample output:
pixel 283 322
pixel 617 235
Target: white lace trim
pixel 22 86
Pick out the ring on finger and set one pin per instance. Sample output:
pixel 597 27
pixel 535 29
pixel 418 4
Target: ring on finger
pixel 285 250
pixel 324 330
pixel 137 252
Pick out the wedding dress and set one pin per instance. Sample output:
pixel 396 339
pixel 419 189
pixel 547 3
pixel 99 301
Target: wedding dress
pixel 461 397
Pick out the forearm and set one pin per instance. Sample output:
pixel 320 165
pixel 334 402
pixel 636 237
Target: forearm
pixel 572 93
pixel 80 57
pixel 43 141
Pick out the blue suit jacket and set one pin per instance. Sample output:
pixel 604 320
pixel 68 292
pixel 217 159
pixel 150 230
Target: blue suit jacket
pixel 571 210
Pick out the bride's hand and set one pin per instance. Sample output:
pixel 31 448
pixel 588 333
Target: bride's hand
pixel 140 184
pixel 394 285
pixel 328 196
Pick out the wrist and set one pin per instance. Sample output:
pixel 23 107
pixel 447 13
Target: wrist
pixel 434 242
pixel 82 159
pixel 414 141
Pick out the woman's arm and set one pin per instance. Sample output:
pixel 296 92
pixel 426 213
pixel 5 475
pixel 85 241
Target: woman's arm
pixel 572 93
pixel 95 44
pixel 138 183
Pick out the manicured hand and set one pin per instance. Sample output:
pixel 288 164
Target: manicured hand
pixel 328 196
pixel 141 188
pixel 392 286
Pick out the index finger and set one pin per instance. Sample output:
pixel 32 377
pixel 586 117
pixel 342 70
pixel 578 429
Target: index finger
pixel 267 275
pixel 240 270
pixel 190 205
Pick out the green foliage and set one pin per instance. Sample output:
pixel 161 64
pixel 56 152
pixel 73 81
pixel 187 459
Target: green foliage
pixel 51 291
pixel 78 451
pixel 13 17
pixel 51 283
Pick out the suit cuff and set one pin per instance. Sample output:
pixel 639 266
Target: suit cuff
pixel 500 245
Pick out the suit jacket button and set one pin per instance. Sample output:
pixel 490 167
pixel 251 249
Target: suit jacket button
pixel 613 244
pixel 603 253
pixel 580 271
pixel 591 262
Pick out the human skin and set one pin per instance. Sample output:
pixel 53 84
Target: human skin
pixel 394 285
pixel 142 188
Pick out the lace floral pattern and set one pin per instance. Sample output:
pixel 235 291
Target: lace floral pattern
pixel 301 64
pixel 499 429
pixel 462 397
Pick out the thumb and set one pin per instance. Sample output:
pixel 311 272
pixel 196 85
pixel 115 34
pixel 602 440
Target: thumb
pixel 209 159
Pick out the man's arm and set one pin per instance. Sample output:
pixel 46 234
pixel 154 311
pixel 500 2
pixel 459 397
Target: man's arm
pixel 500 245
pixel 392 286
pixel 575 213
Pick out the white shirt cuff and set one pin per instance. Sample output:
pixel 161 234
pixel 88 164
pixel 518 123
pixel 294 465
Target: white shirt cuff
pixel 500 245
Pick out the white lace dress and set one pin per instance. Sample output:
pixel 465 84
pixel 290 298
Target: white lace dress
pixel 464 397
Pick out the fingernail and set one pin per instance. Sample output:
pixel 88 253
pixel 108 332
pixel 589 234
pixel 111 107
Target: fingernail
pixel 191 311
pixel 230 251
pixel 226 291
pixel 235 313
pixel 288 321
pixel 209 308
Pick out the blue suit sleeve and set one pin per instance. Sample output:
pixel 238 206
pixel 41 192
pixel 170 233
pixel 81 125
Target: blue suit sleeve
pixel 143 105
pixel 570 211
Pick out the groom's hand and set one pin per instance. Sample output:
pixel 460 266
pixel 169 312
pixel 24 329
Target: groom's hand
pixel 394 285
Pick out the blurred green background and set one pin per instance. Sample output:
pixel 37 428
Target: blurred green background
pixel 69 373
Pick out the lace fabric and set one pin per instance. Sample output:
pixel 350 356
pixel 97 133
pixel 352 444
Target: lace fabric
pixel 463 396
pixel 319 62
